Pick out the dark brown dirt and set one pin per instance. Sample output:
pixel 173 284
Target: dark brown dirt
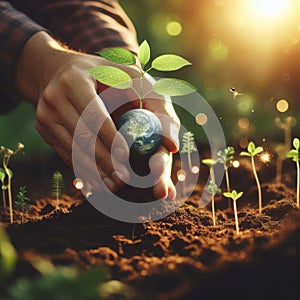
pixel 182 256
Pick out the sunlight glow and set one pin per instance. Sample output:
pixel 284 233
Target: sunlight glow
pixel 195 169
pixel 270 8
pixel 181 175
pixel 236 164
pixel 265 157
pixel 78 184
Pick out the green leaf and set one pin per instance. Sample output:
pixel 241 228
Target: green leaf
pixel 209 162
pixel 296 143
pixel 4 187
pixel 239 195
pixel 144 53
pixel 227 194
pixel 172 87
pixel 169 62
pixel 292 153
pixel 244 153
pixel 118 55
pixel 111 76
pixel 2 174
pixel 251 147
pixel 258 150
pixel 8 256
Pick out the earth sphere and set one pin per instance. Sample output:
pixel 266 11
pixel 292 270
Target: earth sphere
pixel 142 131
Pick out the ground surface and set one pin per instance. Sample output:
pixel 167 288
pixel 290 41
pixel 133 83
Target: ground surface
pixel 182 256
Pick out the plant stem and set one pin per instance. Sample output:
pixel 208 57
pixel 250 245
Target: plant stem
pixel 4 199
pixel 213 209
pixel 258 185
pixel 10 200
pixel 22 221
pixel 236 218
pixel 228 186
pixel 298 184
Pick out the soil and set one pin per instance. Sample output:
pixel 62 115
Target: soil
pixel 182 256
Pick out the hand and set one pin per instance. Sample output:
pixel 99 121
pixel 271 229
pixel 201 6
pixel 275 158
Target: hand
pixel 56 81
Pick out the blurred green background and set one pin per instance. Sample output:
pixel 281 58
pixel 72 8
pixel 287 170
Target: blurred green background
pixel 250 45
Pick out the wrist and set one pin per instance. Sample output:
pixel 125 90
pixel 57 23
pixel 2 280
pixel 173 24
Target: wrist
pixel 37 63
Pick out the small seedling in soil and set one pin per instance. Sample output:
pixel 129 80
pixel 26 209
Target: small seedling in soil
pixel 188 146
pixel 140 142
pixel 213 189
pixel 58 185
pixel 3 187
pixel 282 149
pixel 22 201
pixel 234 195
pixel 294 155
pixel 210 163
pixel 8 153
pixel 225 157
pixel 252 152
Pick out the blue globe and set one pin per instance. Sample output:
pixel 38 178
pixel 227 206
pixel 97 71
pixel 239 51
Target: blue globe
pixel 142 131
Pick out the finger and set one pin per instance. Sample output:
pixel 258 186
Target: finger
pixel 161 165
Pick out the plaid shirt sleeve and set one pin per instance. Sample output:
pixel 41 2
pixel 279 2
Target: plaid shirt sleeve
pixel 86 26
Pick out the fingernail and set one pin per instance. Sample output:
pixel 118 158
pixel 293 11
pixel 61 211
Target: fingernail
pixel 109 183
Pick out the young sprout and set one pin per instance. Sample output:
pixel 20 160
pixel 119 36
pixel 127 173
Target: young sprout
pixel 234 195
pixel 210 163
pixel 225 157
pixel 213 189
pixel 286 126
pixel 188 146
pixel 22 201
pixel 7 155
pixel 117 78
pixel 3 186
pixel 58 186
pixel 294 155
pixel 252 151
pixel 280 150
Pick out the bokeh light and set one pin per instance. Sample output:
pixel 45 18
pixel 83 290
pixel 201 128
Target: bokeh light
pixel 201 119
pixel 236 164
pixel 195 169
pixel 282 105
pixel 243 123
pixel 78 184
pixel 181 175
pixel 265 157
pixel 174 28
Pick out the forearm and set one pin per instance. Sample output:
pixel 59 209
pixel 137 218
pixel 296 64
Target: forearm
pixel 15 30
pixel 40 58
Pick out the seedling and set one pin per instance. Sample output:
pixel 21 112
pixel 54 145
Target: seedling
pixel 234 195
pixel 282 148
pixel 8 153
pixel 213 189
pixel 3 186
pixel 188 146
pixel 294 155
pixel 252 151
pixel 225 157
pixel 210 163
pixel 146 141
pixel 58 185
pixel 115 77
pixel 22 201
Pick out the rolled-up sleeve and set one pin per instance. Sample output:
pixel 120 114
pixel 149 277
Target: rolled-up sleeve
pixel 86 26
pixel 15 29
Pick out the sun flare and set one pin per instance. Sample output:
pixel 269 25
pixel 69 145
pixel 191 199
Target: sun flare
pixel 270 8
